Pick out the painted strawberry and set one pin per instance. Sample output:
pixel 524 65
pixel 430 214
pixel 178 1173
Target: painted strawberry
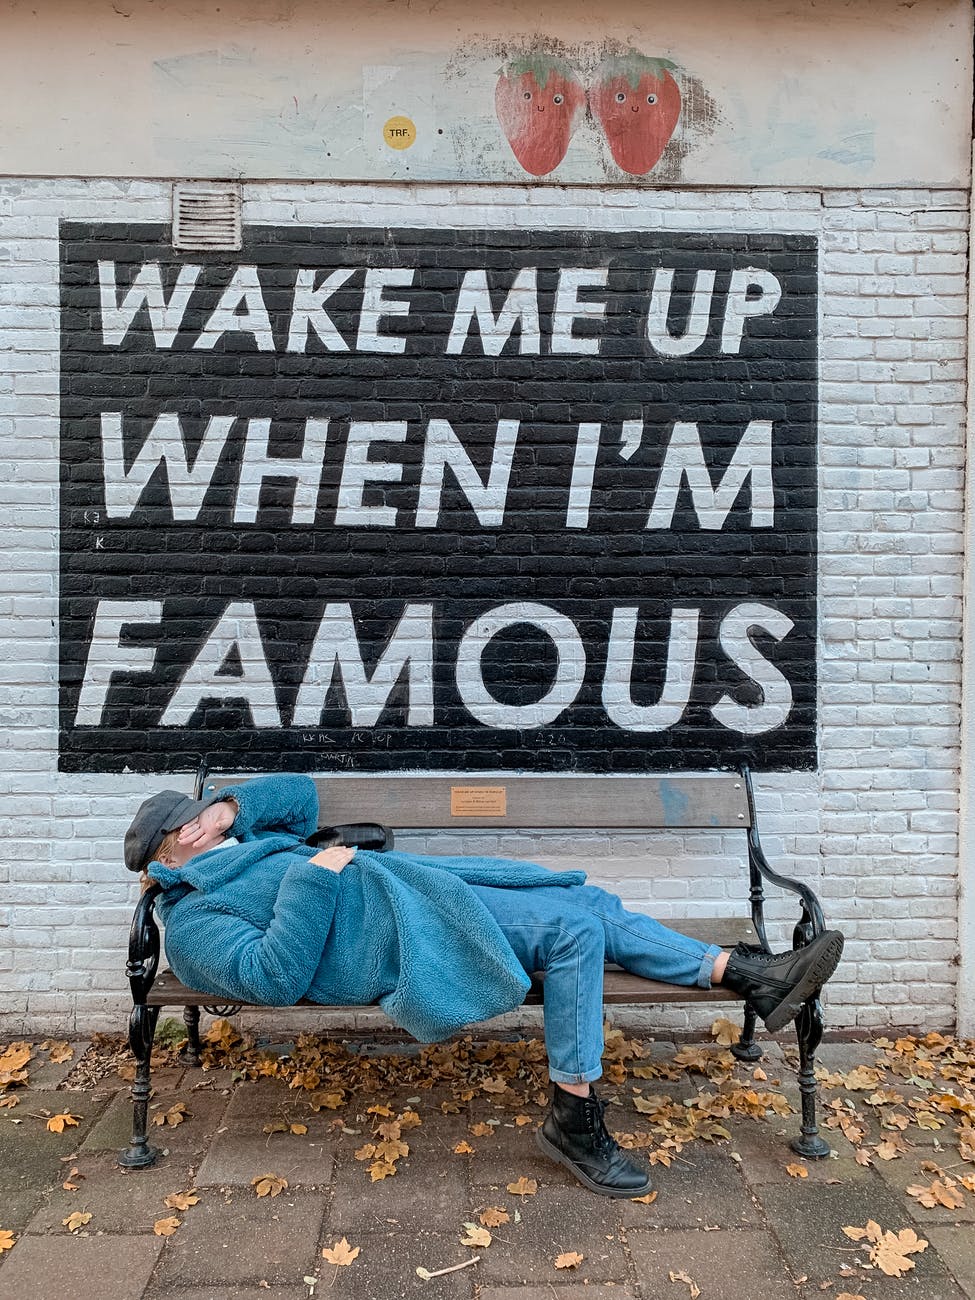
pixel 539 100
pixel 637 102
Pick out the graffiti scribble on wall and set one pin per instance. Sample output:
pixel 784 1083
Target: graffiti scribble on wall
pixel 540 99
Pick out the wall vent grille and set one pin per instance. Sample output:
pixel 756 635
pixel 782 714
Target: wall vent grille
pixel 207 217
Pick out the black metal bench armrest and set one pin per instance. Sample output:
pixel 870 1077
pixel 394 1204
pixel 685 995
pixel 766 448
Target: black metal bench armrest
pixel 143 959
pixel 812 921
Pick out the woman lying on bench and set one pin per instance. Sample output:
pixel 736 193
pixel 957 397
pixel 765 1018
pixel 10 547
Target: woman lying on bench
pixel 255 914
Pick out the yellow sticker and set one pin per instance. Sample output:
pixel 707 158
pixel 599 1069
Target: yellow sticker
pixel 478 801
pixel 399 132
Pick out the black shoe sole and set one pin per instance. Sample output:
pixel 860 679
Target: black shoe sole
pixel 815 977
pixel 554 1153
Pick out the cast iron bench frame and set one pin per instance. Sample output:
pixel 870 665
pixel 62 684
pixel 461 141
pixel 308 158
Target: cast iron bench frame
pixel 716 801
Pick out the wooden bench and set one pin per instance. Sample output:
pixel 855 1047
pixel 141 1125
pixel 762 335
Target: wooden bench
pixel 708 802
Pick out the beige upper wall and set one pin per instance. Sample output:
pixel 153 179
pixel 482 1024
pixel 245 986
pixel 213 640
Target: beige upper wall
pixel 832 93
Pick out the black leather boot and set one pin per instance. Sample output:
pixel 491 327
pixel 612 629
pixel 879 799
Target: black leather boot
pixel 778 983
pixel 573 1133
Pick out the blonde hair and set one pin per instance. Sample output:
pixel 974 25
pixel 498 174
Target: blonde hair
pixel 165 851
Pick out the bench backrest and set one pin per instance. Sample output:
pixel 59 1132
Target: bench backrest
pixel 707 801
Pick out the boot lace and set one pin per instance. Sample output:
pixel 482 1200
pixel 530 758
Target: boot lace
pixel 595 1110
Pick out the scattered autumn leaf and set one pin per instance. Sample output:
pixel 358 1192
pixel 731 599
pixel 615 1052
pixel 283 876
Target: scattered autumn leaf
pixel 181 1200
pixel 380 1169
pixel 76 1220
pixel 58 1123
pixel 366 1151
pixel 60 1051
pixel 494 1216
pixel 725 1032
pixel 943 1193
pixel 475 1236
pixel 523 1187
pixel 341 1253
pixel 166 1227
pixel 482 1130
pixel 68 1185
pixel 847 1295
pixel 645 1200
pixel 569 1259
pixel 463 1149
pixel 6 1240
pixel 175 1115
pixel 795 1170
pixel 681 1276
pixel 522 1120
pixel 268 1184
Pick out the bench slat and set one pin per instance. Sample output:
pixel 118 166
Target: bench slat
pixel 618 985
pixel 701 802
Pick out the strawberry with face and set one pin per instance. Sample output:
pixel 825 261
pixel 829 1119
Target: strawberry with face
pixel 637 103
pixel 538 100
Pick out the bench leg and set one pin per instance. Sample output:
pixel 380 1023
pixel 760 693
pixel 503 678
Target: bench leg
pixel 746 1049
pixel 190 1055
pixel 142 1027
pixel 809 1031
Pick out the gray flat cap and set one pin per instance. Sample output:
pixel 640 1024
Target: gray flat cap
pixel 160 814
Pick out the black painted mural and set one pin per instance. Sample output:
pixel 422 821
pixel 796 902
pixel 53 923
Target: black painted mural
pixel 393 499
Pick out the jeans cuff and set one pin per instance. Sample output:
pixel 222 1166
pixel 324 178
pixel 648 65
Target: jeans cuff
pixel 707 966
pixel 588 1076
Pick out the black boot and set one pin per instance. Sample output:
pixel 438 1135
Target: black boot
pixel 573 1133
pixel 778 983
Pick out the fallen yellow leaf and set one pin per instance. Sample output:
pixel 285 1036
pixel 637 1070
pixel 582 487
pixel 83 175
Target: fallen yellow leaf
pixel 6 1240
pixel 494 1216
pixel 795 1170
pixel 482 1130
pixel 523 1187
pixel 341 1253
pixel 681 1276
pixel 569 1259
pixel 463 1149
pixel 58 1123
pixel 645 1200
pixel 725 1032
pixel 475 1236
pixel 76 1220
pixel 181 1200
pixel 166 1227
pixel 175 1115
pixel 268 1184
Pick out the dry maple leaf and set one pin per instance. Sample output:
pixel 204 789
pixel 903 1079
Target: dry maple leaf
pixel 725 1032
pixel 494 1216
pixel 890 1254
pixel 58 1123
pixel 482 1130
pixel 681 1276
pixel 181 1200
pixel 475 1236
pixel 68 1185
pixel 268 1184
pixel 380 1169
pixel 12 1063
pixel 378 1110
pixel 365 1152
pixel 645 1200
pixel 569 1259
pixel 795 1170
pixel 60 1052
pixel 848 1295
pixel 522 1120
pixel 938 1193
pixel 166 1227
pixel 495 1084
pixel 341 1253
pixel 463 1149
pixel 863 1157
pixel 6 1240
pixel 523 1187
pixel 175 1115
pixel 409 1119
pixel 76 1220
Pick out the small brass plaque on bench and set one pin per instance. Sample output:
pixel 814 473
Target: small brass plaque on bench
pixel 478 801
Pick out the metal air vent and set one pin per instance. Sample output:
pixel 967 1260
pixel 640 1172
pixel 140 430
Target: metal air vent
pixel 207 217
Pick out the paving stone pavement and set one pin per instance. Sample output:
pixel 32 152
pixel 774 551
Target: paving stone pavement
pixel 728 1218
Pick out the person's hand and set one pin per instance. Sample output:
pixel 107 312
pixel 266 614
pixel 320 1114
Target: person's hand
pixel 334 858
pixel 207 829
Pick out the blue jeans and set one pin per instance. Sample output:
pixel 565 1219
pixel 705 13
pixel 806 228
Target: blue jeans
pixel 569 932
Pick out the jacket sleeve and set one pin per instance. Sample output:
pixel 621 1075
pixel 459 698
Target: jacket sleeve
pixel 274 803
pixel 218 952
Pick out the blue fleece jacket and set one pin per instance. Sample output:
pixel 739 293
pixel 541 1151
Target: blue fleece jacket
pixel 257 922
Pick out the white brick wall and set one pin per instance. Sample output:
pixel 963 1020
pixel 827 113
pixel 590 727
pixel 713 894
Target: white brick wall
pixel 874 831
